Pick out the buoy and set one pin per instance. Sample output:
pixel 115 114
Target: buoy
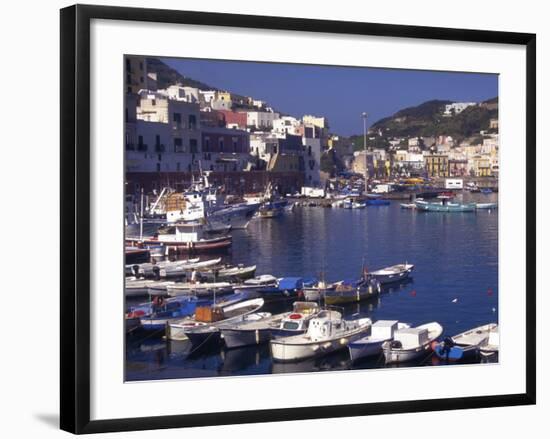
pixel 454 300
pixel 413 293
pixel 489 291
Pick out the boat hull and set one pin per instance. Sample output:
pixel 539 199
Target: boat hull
pixel 236 338
pixel 359 350
pixel 456 353
pixel 407 355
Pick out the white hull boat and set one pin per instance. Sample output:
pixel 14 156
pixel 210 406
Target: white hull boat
pixel 464 345
pixel 327 333
pixel 142 287
pixel 198 289
pixel 371 345
pixel 411 344
pixel 233 313
pixel 490 347
pixel 180 270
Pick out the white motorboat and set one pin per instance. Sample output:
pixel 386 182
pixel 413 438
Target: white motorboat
pixel 490 347
pixel 135 287
pixel 464 345
pixel 327 332
pixel 180 270
pixel 371 345
pixel 410 344
pixel 395 273
pixel 263 330
pixel 208 319
pixel 148 269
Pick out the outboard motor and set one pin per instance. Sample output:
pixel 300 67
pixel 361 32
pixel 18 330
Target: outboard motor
pixel 135 269
pixel 156 273
pixel 448 343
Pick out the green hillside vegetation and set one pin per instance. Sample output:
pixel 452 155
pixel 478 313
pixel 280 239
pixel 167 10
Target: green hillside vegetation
pixel 427 120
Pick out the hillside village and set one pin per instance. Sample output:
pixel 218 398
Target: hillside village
pixel 176 127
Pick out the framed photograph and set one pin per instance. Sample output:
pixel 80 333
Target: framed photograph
pixel 271 218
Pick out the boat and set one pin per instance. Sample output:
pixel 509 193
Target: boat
pixel 229 274
pixel 358 205
pixel 411 344
pixel 249 332
pixel 395 273
pixel 486 190
pixel 262 281
pixel 134 287
pixel 148 269
pixel 165 311
pixel 296 321
pixel 350 291
pixel 378 202
pixel 490 347
pixel 444 206
pixel 286 288
pixel 203 326
pixel 327 332
pixel 181 270
pixel 486 205
pixel 408 206
pixel 198 289
pixel 185 237
pixel 316 291
pixel 371 345
pixel 135 255
pixel 464 345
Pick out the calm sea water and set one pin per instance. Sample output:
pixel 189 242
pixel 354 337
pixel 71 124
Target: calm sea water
pixel 455 280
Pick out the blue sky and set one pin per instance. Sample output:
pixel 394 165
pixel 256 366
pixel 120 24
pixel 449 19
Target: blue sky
pixel 339 93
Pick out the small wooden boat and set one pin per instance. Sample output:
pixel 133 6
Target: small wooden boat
pixel 165 311
pixel 395 273
pixel 229 273
pixel 426 206
pixel 203 326
pixel 327 332
pixel 371 345
pixel 264 280
pixel 316 291
pixel 464 345
pixel 490 347
pixel 134 287
pixel 411 206
pixel 287 288
pixel 486 205
pixel 198 289
pixel 148 269
pixel 410 344
pixel 352 291
pixel 181 270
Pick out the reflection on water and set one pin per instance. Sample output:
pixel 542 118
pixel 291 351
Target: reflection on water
pixel 455 280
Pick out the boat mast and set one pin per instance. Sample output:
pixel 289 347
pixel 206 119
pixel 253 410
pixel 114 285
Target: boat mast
pixel 141 217
pixel 366 176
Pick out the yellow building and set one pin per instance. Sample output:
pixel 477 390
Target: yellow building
pixel 437 165
pixel 482 166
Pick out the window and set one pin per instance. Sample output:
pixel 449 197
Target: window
pixel 221 144
pixel 158 167
pixel 178 166
pixel 193 145
pixel 128 65
pixel 157 140
pixel 192 121
pixel 235 143
pixel 141 65
pixel 176 117
pixel 160 157
pixel 206 146
pixel 178 144
pixel 153 101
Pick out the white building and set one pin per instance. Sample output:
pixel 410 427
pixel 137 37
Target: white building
pixel 261 119
pixel 457 107
pixel 312 156
pixel 287 125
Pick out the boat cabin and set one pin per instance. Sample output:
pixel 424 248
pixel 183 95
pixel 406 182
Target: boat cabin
pixel 191 232
pixel 412 337
pixel 325 325
pixel 383 329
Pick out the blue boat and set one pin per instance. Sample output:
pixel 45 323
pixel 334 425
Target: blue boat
pixel 377 202
pixel 444 206
pixel 287 288
pixel 486 190
pixel 464 346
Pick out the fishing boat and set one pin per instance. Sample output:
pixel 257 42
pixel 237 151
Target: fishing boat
pixel 249 332
pixel 395 273
pixel 410 206
pixel 287 288
pixel 203 326
pixel 350 291
pixel 262 281
pixel 181 270
pixel 316 291
pixel 326 333
pixel 444 206
pixel 296 321
pixel 134 287
pixel 371 345
pixel 410 344
pixel 490 347
pixel 148 269
pixel 199 289
pixel 464 345
pixel 166 311
pixel 185 237
pixel 229 274
pixel 486 205
pixel 359 204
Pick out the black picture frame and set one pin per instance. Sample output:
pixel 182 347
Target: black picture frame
pixel 75 217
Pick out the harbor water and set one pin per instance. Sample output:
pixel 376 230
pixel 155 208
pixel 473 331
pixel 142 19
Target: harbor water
pixel 454 282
